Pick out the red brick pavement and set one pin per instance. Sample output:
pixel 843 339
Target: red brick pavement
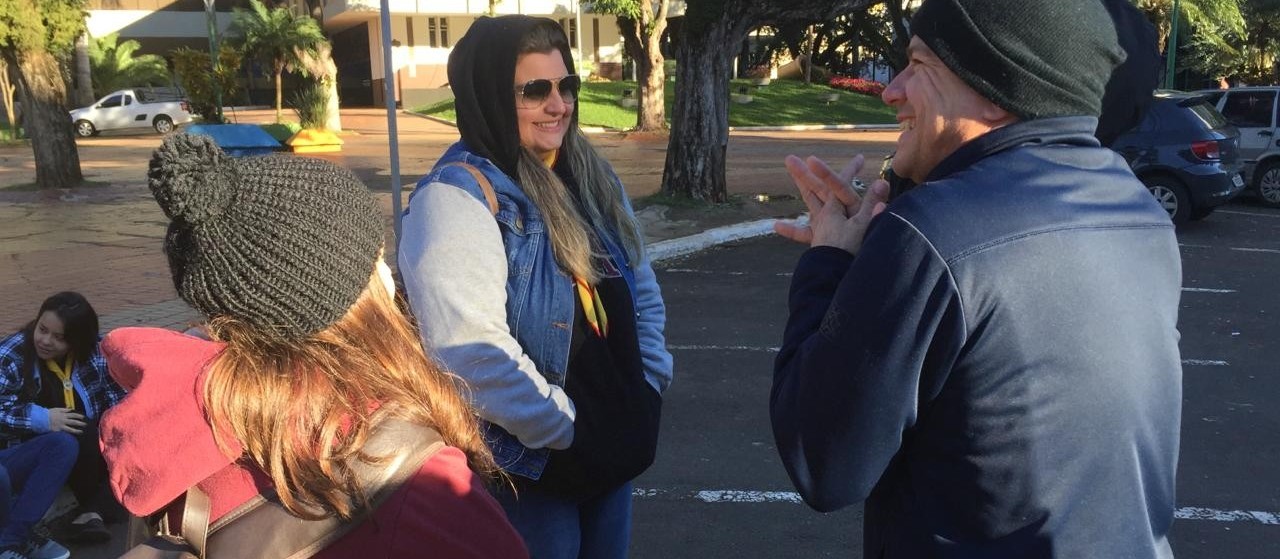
pixel 105 241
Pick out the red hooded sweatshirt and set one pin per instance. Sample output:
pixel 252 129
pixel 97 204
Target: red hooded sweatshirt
pixel 157 444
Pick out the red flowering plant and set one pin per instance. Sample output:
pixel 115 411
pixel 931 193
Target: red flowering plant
pixel 857 85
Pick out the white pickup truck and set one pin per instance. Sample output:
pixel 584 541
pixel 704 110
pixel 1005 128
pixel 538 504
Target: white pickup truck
pixel 160 109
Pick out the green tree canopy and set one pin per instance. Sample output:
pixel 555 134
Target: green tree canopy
pixel 113 65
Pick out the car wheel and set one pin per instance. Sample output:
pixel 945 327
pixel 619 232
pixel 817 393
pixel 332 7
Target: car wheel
pixel 163 124
pixel 84 129
pixel 1172 196
pixel 1268 184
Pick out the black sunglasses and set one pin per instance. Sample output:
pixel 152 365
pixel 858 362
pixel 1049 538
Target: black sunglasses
pixel 534 93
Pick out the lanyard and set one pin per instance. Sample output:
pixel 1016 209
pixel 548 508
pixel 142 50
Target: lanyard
pixel 64 374
pixel 592 307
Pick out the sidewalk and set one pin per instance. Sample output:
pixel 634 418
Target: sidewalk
pixel 105 240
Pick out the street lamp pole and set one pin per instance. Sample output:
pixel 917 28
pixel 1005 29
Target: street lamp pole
pixel 211 17
pixel 1171 49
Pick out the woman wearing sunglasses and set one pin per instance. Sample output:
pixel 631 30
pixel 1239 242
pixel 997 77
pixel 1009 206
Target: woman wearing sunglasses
pixel 526 268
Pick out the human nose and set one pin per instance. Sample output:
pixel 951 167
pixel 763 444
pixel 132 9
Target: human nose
pixel 895 92
pixel 556 103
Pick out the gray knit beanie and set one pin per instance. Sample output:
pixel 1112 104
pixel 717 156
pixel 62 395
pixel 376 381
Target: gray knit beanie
pixel 1034 58
pixel 284 243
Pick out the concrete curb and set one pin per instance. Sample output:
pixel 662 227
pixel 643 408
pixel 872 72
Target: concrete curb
pixel 682 246
pixel 811 127
pixel 789 128
pixel 429 117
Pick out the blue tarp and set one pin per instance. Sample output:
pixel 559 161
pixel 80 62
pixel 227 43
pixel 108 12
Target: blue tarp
pixel 237 140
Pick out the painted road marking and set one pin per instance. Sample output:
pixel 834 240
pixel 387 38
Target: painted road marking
pixel 722 348
pixel 791 497
pixel 1207 290
pixel 674 347
pixel 1267 250
pixel 710 272
pixel 1237 212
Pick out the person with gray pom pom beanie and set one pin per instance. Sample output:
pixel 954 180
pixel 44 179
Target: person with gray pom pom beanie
pixel 305 357
pixel 990 360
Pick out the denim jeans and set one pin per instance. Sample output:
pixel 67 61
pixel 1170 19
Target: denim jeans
pixel 557 528
pixel 35 471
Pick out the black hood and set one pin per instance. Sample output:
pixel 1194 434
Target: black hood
pixel 482 69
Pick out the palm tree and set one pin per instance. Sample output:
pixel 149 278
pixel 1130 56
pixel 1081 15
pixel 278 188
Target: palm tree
pixel 1215 18
pixel 113 65
pixel 276 36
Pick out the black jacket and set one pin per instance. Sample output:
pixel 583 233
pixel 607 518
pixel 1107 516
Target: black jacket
pixel 997 372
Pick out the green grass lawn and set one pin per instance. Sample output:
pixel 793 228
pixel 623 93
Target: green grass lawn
pixel 782 102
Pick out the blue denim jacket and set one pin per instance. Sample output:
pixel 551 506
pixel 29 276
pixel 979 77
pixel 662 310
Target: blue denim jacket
pixel 539 295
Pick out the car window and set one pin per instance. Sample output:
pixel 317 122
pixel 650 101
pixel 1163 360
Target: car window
pixel 1212 98
pixel 1249 109
pixel 1209 115
pixel 128 100
pixel 113 101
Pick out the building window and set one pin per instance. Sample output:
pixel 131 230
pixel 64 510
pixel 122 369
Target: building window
pixel 438 31
pixel 570 26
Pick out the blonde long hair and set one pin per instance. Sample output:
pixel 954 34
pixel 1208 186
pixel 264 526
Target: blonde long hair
pixel 599 194
pixel 302 409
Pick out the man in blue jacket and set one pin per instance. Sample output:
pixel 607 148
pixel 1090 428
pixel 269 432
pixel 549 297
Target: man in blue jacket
pixel 990 360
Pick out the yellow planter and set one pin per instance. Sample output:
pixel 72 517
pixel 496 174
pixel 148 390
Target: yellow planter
pixel 314 140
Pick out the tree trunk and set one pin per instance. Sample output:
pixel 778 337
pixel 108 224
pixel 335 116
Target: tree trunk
pixel 652 76
pixel 6 97
pixel 695 166
pixel 43 91
pixel 279 70
pixel 83 96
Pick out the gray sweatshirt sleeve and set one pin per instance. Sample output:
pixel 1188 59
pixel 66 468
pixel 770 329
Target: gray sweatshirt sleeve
pixel 454 267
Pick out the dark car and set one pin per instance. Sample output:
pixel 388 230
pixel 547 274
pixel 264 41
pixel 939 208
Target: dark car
pixel 1186 153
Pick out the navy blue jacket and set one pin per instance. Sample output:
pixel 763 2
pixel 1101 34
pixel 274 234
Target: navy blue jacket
pixel 997 372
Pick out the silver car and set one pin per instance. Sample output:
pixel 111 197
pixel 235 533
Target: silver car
pixel 1253 111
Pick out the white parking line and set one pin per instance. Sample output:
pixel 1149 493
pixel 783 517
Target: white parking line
pixel 791 497
pixel 725 348
pixel 722 348
pixel 1207 290
pixel 1267 250
pixel 677 347
pixel 1254 214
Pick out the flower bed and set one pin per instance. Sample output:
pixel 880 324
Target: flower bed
pixel 857 85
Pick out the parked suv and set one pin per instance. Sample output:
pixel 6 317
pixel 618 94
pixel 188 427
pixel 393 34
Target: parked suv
pixel 1253 111
pixel 1186 153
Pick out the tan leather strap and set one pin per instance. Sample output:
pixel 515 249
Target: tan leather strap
pixel 485 186
pixel 262 528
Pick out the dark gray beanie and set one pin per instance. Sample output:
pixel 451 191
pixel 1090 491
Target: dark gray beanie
pixel 284 243
pixel 1034 58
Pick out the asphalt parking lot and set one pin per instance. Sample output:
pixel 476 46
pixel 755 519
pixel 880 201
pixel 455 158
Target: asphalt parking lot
pixel 718 489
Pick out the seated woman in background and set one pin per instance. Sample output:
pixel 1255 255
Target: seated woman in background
pixel 53 381
pixel 307 358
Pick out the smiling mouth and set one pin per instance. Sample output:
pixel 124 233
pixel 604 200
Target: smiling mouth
pixel 548 125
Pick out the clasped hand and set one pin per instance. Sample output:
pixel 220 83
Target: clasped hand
pixel 65 419
pixel 838 215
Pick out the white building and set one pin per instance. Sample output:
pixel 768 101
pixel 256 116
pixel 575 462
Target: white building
pixel 422 35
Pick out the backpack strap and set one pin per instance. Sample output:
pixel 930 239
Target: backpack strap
pixel 485 186
pixel 263 528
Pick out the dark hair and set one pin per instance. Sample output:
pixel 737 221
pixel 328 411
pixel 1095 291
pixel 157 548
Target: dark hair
pixel 79 325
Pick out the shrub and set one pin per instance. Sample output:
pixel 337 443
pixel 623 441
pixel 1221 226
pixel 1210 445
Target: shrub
pixel 311 102
pixel 857 85
pixel 192 67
